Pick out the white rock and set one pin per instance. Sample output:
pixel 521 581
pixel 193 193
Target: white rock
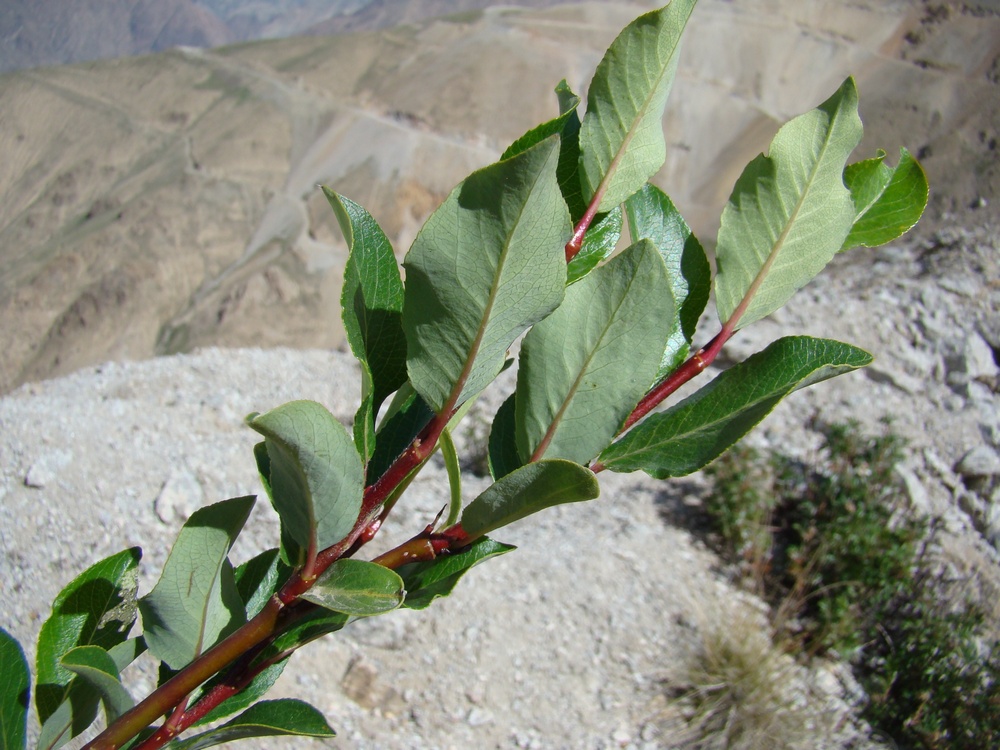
pixel 180 496
pixel 479 717
pixel 46 469
pixel 991 524
pixel 980 461
pixel 919 497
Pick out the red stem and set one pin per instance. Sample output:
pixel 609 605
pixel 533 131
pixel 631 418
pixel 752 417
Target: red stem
pixel 177 688
pixel 695 365
pixel 575 243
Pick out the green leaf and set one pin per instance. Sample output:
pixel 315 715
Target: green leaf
pixel 357 588
pixel 372 307
pixel 427 581
pixel 888 202
pixel 686 437
pixel 195 602
pixel 407 415
pixel 621 140
pixel 316 475
pixel 503 456
pixel 97 608
pixel 98 669
pixel 14 694
pixel 598 243
pixel 450 456
pixel 531 488
pixel 568 102
pixel 127 652
pixel 309 627
pixel 286 717
pixel 568 171
pixel 487 265
pixel 258 686
pixel 292 554
pixel 567 126
pixel 372 297
pixel 584 368
pixel 258 579
pixel 789 212
pixel 652 215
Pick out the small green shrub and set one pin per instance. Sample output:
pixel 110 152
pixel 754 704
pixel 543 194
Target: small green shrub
pixel 932 674
pixel 846 571
pixel 840 539
pixel 741 506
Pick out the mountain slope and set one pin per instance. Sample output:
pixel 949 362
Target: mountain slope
pixel 57 32
pixel 54 32
pixel 164 203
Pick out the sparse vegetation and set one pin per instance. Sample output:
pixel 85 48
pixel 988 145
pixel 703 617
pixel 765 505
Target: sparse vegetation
pixel 847 569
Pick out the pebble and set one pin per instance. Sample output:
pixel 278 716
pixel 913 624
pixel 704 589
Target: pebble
pixel 479 717
pixel 180 496
pixel 46 469
pixel 979 462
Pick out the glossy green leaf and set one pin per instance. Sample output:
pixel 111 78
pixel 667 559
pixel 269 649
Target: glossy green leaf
pixel 568 102
pixel 584 368
pixel 286 717
pixel 599 242
pixel 316 624
pixel 372 297
pixel 686 437
pixel 652 215
pixel 258 579
pixel 407 415
pixel 96 667
pixel 568 171
pixel 316 475
pixel 789 212
pixel 195 602
pixel 14 694
pixel 531 488
pixel 292 554
pixel 97 608
pixel 888 201
pixel 502 447
pixel 621 140
pixel 372 308
pixel 450 456
pixel 488 264
pixel 358 588
pixel 427 581
pixel 567 127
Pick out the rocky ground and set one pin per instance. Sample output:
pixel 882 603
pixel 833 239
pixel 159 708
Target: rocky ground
pixel 571 641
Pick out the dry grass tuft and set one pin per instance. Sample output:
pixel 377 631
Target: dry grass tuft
pixel 738 691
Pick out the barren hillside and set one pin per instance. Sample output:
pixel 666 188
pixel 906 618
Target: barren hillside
pixel 158 204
